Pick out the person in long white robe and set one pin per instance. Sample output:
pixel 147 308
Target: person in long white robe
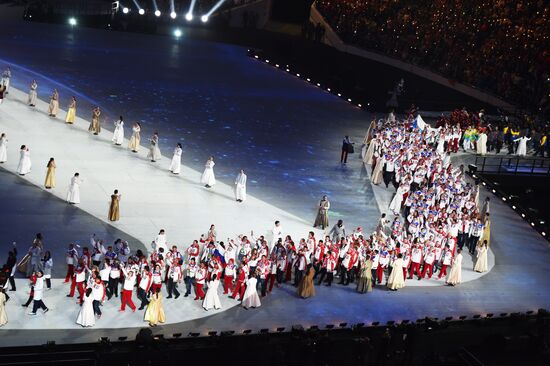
pixel 118 133
pixel 3 148
pixel 6 77
pixel 396 280
pixel 376 177
pixel 482 144
pixel 208 178
pixel 53 108
pixel 481 260
pixel 32 94
pixel 25 164
pixel 522 145
pixel 212 299
pixel 240 186
pixel 455 276
pixel 250 297
pixel 175 164
pixel 86 317
pixel 154 150
pixel 367 159
pixel 73 196
pixel 395 205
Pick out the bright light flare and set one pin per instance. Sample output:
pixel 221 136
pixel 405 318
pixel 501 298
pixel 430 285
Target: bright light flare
pixel 125 10
pixel 141 11
pixel 157 13
pixel 72 21
pixel 189 17
pixel 173 15
pixel 204 18
pixel 177 33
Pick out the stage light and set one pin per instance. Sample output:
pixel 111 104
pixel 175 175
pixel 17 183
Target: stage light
pixel 204 18
pixel 298 75
pixel 157 13
pixel 514 207
pixel 72 21
pixel 523 215
pixel 125 10
pixel 543 233
pixel 173 15
pixel 494 191
pixel 266 61
pixel 276 65
pixel 177 33
pixel 308 79
pixel 349 100
pixel 359 105
pixel 504 199
pixel 339 94
pixel 532 224
pixel 328 89
pixel 141 11
pixel 318 84
pixel 189 15
pixel 256 56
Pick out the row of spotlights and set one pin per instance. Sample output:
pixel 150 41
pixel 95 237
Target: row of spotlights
pixel 173 15
pixel 309 80
pixel 542 222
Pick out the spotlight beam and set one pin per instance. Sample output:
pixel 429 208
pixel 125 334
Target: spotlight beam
pixel 214 8
pixel 155 5
pixel 172 7
pixel 191 7
pixel 137 5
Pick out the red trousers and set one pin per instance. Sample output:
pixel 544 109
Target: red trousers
pixel 227 284
pixel 239 289
pixel 427 267
pixel 271 281
pixel 443 270
pixel 70 272
pixel 199 292
pixel 415 267
pixel 154 287
pixel 380 273
pixel 127 299
pixel 79 286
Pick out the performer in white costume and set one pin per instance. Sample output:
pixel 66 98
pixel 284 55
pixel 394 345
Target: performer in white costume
pixel 154 151
pixel 32 94
pixel 522 145
pixel 455 277
pixel 118 133
pixel 250 297
pixel 482 143
pixel 86 317
pixel 208 178
pixel 74 189
pixel 24 166
pixel 53 108
pixel 3 148
pixel 6 76
pixel 175 164
pixel 212 300
pixel 240 186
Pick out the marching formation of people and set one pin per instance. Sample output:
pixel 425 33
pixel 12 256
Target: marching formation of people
pixel 437 211
pixel 73 195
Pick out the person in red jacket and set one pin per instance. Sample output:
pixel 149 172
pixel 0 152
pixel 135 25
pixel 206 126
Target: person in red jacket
pixel 229 275
pixel 240 286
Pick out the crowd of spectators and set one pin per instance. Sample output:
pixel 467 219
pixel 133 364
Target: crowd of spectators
pixel 500 46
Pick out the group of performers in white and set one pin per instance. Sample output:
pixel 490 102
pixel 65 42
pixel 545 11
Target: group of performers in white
pixel 208 177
